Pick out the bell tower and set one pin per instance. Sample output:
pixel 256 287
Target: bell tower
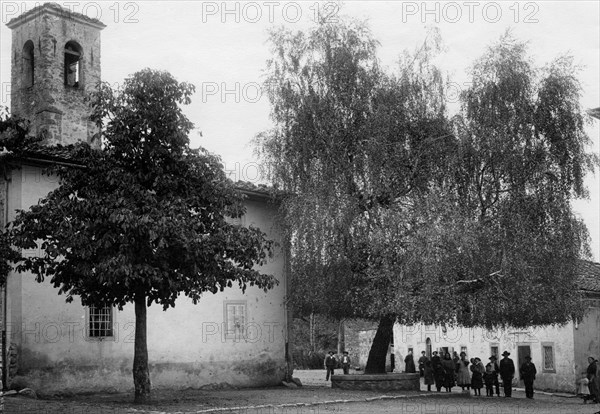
pixel 55 64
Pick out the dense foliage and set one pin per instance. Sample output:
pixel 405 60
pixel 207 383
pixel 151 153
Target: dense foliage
pixel 14 135
pixel 145 218
pixel 403 213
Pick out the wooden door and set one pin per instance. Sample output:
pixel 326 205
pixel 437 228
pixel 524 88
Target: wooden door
pixel 522 352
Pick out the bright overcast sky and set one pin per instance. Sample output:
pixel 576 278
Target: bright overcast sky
pixel 221 48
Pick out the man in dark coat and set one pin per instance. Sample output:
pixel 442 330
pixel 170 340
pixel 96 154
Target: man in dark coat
pixel 438 371
pixel 409 363
pixel 527 372
pixel 330 363
pixel 422 362
pixel 495 370
pixel 507 373
pixel 593 376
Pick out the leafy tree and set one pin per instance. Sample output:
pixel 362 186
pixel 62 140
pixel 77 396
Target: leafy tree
pixel 403 214
pixel 349 141
pixel 144 219
pixel 14 135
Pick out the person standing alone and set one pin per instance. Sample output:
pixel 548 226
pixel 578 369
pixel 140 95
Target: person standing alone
pixel 409 363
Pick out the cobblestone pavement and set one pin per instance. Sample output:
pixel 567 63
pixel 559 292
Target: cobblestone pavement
pixel 316 397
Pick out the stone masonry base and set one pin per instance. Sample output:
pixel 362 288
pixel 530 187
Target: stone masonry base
pixel 381 382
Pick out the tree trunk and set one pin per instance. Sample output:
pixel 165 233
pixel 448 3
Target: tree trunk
pixel 311 332
pixel 380 346
pixel 141 373
pixel 341 342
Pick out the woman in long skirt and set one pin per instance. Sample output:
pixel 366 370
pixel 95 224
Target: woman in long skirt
pixel 449 372
pixel 464 376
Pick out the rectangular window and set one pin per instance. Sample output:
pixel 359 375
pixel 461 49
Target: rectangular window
pixel 100 322
pixel 548 357
pixel 494 350
pixel 463 349
pixel 235 319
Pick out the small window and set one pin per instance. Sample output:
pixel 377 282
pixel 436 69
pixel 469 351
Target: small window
pixel 100 322
pixel 235 319
pixel 428 348
pixel 463 349
pixel 548 357
pixel 72 64
pixel 28 64
pixel 494 350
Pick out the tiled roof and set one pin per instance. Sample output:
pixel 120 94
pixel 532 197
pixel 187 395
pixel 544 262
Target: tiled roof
pixel 55 152
pixel 594 112
pixel 34 151
pixel 589 276
pixel 59 153
pixel 249 186
pixel 259 190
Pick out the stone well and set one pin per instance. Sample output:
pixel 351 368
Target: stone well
pixel 379 382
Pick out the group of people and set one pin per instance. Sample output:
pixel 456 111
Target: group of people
pixel 331 363
pixel 448 371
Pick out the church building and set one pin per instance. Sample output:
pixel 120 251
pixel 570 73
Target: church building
pixel 228 339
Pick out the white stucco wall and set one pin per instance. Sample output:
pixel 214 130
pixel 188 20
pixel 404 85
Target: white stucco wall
pixel 587 337
pixel 479 342
pixel 186 344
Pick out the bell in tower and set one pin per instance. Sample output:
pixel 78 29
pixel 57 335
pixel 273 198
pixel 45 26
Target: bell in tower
pixel 55 64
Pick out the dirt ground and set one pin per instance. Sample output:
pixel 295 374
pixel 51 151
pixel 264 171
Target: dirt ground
pixel 314 397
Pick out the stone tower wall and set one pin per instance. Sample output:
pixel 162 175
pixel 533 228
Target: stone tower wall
pixel 56 110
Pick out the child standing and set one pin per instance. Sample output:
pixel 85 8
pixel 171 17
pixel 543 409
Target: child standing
pixel 489 377
pixel 477 378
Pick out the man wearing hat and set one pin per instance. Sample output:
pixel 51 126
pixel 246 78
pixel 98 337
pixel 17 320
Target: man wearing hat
pixel 507 373
pixel 330 363
pixel 422 362
pixel 346 363
pixel 527 372
pixel 494 370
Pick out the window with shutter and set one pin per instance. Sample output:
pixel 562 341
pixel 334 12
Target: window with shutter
pixel 235 319
pixel 548 357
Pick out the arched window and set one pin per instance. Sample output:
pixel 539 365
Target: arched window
pixel 28 64
pixel 72 64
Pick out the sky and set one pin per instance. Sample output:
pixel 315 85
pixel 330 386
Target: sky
pixel 221 48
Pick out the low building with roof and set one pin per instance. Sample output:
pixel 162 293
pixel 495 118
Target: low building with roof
pixel 559 352
pixel 231 338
